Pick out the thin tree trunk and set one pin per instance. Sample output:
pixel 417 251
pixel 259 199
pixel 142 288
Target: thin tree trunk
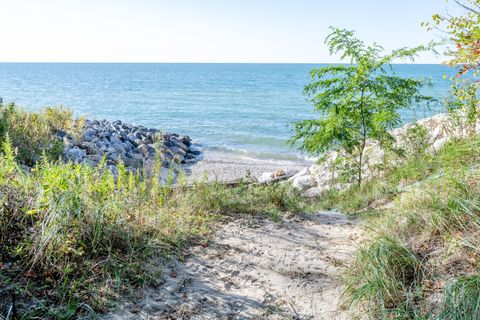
pixel 360 162
pixel 364 140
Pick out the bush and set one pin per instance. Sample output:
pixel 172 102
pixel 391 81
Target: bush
pixel 34 133
pixel 417 140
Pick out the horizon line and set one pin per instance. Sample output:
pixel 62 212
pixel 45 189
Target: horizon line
pixel 204 62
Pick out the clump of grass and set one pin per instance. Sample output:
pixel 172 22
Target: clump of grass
pixel 453 207
pixel 441 227
pixel 268 199
pixel 462 299
pixel 385 275
pixel 358 198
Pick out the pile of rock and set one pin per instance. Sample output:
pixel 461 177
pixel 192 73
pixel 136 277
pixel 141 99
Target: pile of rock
pixel 135 145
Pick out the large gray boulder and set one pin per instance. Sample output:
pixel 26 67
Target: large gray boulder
pixel 75 154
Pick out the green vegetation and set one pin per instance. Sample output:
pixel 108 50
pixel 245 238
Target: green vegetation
pixel 462 299
pixel 464 104
pixel 33 133
pixel 384 274
pixel 423 222
pixel 417 169
pixel 76 238
pixel 464 31
pixel 420 258
pixel 359 101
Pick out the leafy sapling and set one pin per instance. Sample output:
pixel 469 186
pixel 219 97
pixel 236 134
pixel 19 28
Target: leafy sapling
pixel 358 101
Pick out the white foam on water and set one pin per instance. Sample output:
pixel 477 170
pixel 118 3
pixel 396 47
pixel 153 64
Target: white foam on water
pixel 243 155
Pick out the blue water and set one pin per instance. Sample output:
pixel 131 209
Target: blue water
pixel 241 108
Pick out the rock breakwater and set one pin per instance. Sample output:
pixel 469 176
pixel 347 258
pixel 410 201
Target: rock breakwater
pixel 136 146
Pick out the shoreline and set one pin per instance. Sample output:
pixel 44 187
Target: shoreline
pixel 139 147
pixel 229 167
pixel 134 146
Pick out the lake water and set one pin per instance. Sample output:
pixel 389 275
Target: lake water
pixel 244 109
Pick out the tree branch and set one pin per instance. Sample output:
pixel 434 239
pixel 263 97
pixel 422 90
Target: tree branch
pixel 467 7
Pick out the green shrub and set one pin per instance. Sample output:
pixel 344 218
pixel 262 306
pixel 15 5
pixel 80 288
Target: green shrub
pixel 416 139
pixel 6 112
pixel 32 134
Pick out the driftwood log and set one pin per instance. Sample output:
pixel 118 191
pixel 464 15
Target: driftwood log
pixel 237 183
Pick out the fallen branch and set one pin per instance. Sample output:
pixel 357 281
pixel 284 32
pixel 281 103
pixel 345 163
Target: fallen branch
pixel 236 183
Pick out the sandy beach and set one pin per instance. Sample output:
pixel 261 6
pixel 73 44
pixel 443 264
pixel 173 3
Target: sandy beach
pixel 229 167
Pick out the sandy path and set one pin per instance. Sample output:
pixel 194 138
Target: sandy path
pixel 253 268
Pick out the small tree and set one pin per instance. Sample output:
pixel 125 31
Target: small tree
pixel 463 33
pixel 358 101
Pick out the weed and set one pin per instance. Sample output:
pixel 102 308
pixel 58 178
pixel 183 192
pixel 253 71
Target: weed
pixel 33 134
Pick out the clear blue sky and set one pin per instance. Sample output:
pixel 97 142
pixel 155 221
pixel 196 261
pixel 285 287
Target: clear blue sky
pixel 203 30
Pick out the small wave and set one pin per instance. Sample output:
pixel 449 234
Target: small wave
pixel 255 140
pixel 264 156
